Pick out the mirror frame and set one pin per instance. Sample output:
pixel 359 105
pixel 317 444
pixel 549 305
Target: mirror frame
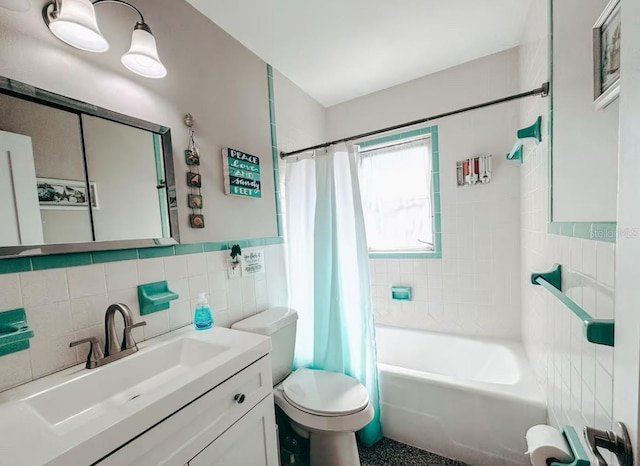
pixel 31 93
pixel 596 230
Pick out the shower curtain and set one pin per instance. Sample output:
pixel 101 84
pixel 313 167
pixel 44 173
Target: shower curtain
pixel 329 271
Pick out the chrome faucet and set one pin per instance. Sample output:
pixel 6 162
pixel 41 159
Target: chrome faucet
pixel 112 351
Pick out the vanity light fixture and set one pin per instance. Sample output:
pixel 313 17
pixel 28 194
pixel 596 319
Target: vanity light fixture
pixel 74 22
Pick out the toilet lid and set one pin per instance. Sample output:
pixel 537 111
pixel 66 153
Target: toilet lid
pixel 325 393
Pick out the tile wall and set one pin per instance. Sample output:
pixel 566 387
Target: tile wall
pixel 576 375
pixel 475 288
pixel 67 304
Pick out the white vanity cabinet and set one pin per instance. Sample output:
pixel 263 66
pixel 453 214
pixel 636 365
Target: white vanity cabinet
pixel 232 424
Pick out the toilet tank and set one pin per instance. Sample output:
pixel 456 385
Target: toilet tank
pixel 279 323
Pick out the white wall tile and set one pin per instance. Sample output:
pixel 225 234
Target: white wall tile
pixel 121 275
pixel 44 287
pixel 150 270
pixel 10 297
pixel 86 281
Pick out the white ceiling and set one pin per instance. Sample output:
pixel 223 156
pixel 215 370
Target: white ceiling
pixel 336 50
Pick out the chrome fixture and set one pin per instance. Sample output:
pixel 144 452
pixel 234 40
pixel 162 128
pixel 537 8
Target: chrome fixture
pixel 112 352
pixel 619 445
pixel 74 22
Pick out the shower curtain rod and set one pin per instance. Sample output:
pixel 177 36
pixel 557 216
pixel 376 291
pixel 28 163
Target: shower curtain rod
pixel 542 91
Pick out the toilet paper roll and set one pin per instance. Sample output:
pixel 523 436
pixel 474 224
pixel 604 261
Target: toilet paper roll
pixel 545 443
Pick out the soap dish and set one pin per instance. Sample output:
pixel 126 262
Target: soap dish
pixel 154 297
pixel 14 331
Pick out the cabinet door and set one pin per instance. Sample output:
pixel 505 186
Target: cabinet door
pixel 249 442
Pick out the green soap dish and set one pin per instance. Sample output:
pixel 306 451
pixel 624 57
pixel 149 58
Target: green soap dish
pixel 154 297
pixel 14 331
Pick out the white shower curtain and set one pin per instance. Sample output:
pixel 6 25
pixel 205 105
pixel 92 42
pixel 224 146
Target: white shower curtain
pixel 329 271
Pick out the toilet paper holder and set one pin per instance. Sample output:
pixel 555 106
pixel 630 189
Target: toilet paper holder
pixel 619 445
pixel 580 457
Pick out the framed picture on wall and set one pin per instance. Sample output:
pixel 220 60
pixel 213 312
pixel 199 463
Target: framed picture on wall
pixel 65 194
pixel 606 55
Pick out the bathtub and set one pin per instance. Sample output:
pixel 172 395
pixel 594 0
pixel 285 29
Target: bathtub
pixel 464 398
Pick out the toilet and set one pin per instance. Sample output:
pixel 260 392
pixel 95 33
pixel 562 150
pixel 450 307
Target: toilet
pixel 325 407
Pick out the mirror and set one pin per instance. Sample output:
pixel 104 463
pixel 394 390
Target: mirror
pixel 584 128
pixel 76 177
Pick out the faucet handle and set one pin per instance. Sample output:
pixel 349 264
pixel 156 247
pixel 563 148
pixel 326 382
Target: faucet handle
pixel 95 351
pixel 127 339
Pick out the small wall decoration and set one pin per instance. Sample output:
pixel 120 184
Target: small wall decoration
pixel 65 194
pixel 196 221
pixel 194 179
pixel 606 55
pixel 253 262
pixel 194 201
pixel 241 173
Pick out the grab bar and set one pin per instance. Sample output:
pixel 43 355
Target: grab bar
pixel 598 331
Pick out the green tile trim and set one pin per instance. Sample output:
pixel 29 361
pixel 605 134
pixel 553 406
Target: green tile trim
pixel 60 261
pixel 101 257
pixel 274 148
pixel 27 264
pixel 435 186
pixel 596 231
pixel 15 265
pixel 151 253
pixel 182 249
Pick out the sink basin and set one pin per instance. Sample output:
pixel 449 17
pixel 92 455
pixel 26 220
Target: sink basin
pixel 77 401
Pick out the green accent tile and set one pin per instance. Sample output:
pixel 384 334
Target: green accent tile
pixel 182 249
pixel 22 264
pixel 60 261
pixel 242 243
pixel 581 230
pixel 272 241
pixel 437 227
pixel 216 246
pixel 253 243
pixel 604 231
pixel 436 184
pixel 151 253
pixel 100 257
pixel 435 162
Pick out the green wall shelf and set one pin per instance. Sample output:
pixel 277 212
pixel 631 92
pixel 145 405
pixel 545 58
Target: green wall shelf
pixel 154 297
pixel 580 457
pixel 14 331
pixel 598 331
pixel 401 293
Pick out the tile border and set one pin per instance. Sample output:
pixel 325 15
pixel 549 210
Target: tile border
pixel 57 261
pixel 594 231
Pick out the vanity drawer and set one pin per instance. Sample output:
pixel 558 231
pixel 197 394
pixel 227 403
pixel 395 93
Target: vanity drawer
pixel 188 431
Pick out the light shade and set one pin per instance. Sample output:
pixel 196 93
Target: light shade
pixel 15 5
pixel 142 57
pixel 75 23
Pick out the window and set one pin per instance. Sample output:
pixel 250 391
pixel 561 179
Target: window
pixel 396 185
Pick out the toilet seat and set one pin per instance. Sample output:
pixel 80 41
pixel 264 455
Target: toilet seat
pixel 324 393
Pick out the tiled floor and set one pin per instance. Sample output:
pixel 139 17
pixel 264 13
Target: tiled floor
pixel 391 453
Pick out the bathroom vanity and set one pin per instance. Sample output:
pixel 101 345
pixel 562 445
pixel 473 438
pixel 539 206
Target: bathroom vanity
pixel 185 398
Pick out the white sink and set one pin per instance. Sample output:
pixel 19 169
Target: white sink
pixel 78 416
pixel 79 400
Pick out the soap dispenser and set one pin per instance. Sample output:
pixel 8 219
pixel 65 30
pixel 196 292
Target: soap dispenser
pixel 202 318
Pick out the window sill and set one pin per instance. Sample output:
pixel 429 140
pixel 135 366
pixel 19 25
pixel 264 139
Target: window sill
pixel 406 255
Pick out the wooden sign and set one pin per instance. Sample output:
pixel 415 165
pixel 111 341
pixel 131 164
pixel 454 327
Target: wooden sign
pixel 241 173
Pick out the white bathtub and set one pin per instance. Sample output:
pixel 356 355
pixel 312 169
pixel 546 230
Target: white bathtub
pixel 468 399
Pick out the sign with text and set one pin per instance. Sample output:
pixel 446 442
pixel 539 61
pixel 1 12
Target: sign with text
pixel 241 173
pixel 252 261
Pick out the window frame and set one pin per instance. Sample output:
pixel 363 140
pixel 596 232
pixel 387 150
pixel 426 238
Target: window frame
pixel 432 133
